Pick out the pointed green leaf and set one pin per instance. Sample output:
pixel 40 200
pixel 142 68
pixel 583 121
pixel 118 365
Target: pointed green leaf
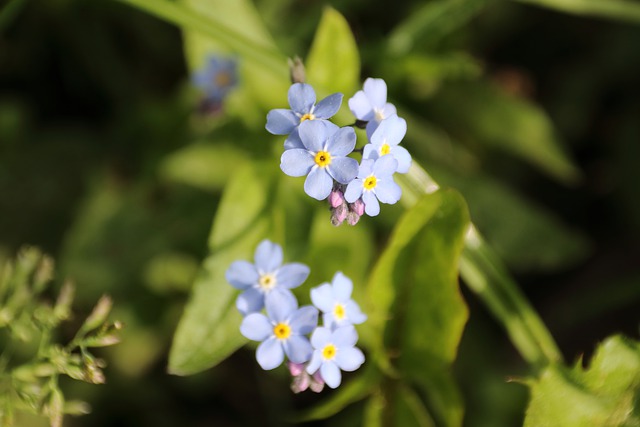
pixel 416 300
pixel 333 64
pixel 623 10
pixel 607 393
pixel 208 331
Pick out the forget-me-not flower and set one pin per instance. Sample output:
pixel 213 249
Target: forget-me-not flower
pixel 265 276
pixel 218 76
pixel 302 99
pixel 323 158
pixel 282 331
pixel 334 351
pixel 370 104
pixel 334 300
pixel 374 183
pixel 385 141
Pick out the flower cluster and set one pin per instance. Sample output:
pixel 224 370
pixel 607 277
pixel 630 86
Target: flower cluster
pixel 315 355
pixel 215 80
pixel 319 150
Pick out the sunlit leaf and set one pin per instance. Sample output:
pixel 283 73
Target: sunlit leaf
pixel 604 394
pixel 208 331
pixel 333 64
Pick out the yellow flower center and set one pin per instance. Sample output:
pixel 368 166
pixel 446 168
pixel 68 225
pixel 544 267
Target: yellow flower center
pixel 385 149
pixel 267 281
pixel 307 116
pixel 370 182
pixel 222 79
pixel 329 351
pixel 338 311
pixel 282 331
pixel 323 159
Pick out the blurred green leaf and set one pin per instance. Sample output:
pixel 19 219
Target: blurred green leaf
pixel 488 115
pixel 333 63
pixel 415 284
pixel 208 331
pixel 410 411
pixel 202 165
pixel 430 23
pixel 623 10
pixel 607 393
pixel 524 234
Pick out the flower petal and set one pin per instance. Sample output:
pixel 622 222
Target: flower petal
pixel 342 286
pixel 270 354
pixel 320 337
pixel 256 327
pixel 349 359
pixel 403 157
pixel 241 274
pixel 388 191
pixel 296 162
pixel 313 134
pixel 390 131
pixel 355 315
pixel 331 374
pixel 292 275
pixel 293 140
pixel 353 191
pixel 280 303
pixel 342 142
pixel 301 98
pixel 268 256
pixel 250 301
pixel 281 121
pixel 328 106
pixel 304 320
pixel 322 297
pixel 371 205
pixel 343 169
pixel 385 166
pixel 318 183
pixel 360 106
pixel 376 91
pixel 314 364
pixel 366 168
pixel 345 336
pixel 298 349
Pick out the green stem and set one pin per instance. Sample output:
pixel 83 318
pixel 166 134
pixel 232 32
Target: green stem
pixel 487 277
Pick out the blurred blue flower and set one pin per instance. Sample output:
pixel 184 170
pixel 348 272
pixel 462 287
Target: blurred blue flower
pixel 265 276
pixel 334 351
pixel 370 104
pixel 302 100
pixel 334 300
pixel 218 76
pixel 374 182
pixel 282 331
pixel 323 158
pixel 385 141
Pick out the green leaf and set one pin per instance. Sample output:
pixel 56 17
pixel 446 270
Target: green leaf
pixel 623 10
pixel 524 234
pixel 430 23
pixel 208 331
pixel 605 394
pixel 488 115
pixel 410 411
pixel 415 284
pixel 333 64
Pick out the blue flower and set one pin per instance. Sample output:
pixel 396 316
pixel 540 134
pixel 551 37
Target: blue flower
pixel 323 158
pixel 334 351
pixel 302 100
pixel 282 331
pixel 370 105
pixel 385 141
pixel 264 277
pixel 334 300
pixel 374 182
pixel 216 79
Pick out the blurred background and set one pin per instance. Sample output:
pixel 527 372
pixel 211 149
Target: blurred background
pixel 108 164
